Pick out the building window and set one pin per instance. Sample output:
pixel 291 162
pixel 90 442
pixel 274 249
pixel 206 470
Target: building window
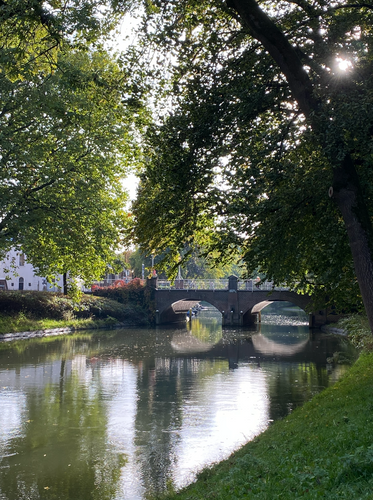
pixel 22 259
pixel 20 284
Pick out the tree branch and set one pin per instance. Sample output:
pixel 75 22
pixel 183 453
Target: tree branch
pixel 353 5
pixel 263 29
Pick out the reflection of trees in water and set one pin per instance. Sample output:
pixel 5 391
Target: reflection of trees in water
pixel 164 386
pixel 48 349
pixel 290 385
pixel 207 330
pixel 160 389
pixel 63 450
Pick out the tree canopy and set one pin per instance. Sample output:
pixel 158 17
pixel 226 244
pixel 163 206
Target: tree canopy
pixel 68 118
pixel 265 145
pixel 194 267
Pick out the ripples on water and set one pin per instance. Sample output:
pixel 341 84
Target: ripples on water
pixel 284 313
pixel 118 414
pixel 279 319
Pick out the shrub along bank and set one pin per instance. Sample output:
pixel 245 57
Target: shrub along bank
pixel 322 450
pixel 23 311
pixel 133 292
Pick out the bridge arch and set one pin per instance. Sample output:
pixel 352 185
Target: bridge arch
pixel 176 311
pixel 257 309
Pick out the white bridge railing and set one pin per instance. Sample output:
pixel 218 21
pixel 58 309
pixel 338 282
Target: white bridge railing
pixel 217 284
pixel 190 284
pixel 252 285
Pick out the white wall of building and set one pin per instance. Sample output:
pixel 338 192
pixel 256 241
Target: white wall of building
pixel 17 274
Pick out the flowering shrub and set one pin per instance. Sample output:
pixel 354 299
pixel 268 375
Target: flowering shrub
pixel 122 292
pixel 133 293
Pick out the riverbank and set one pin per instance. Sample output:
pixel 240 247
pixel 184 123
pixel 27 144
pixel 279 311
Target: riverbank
pixel 322 450
pixel 38 313
pixel 59 330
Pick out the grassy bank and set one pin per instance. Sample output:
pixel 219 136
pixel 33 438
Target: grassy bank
pixel 29 311
pixel 322 450
pixel 21 323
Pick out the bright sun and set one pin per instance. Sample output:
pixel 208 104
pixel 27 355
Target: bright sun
pixel 343 64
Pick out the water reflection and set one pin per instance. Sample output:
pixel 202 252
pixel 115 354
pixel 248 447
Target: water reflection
pixel 119 414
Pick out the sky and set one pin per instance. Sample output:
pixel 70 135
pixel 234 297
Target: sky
pixel 130 183
pixel 125 36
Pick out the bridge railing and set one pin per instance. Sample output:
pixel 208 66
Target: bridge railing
pixel 191 284
pixel 252 286
pixel 216 284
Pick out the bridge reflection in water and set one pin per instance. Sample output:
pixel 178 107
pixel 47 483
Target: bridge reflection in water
pixel 249 344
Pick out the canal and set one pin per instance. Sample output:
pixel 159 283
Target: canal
pixel 120 414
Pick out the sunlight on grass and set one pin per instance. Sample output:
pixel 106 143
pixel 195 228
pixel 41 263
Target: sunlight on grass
pixel 21 323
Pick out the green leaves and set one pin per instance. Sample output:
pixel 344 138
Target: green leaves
pixel 67 137
pixel 243 160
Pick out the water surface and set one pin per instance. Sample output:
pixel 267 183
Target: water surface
pixel 119 414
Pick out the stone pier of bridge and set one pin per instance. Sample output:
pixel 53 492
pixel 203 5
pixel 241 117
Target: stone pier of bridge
pixel 237 307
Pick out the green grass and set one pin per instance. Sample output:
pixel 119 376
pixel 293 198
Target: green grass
pixel 21 323
pixel 322 450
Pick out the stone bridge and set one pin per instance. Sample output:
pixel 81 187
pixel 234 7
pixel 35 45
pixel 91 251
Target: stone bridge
pixel 239 306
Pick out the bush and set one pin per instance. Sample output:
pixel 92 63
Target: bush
pixel 357 327
pixel 38 304
pixel 132 292
pixel 48 305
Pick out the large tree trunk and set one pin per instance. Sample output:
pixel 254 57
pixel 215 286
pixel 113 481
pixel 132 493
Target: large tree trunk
pixel 346 186
pixel 347 193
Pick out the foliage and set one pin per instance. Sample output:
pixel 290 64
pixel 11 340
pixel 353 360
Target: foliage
pixel 321 450
pixel 33 32
pixel 61 192
pixel 56 306
pixel 68 115
pixel 193 265
pixel 133 293
pixel 118 264
pixel 357 328
pixel 246 150
pixel 121 291
pixel 138 258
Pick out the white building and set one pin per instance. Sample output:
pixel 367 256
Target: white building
pixel 17 274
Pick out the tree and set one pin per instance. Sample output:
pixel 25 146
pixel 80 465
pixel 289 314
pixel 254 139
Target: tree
pixel 199 267
pixel 33 32
pixel 268 148
pixel 138 259
pixel 68 118
pixel 193 265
